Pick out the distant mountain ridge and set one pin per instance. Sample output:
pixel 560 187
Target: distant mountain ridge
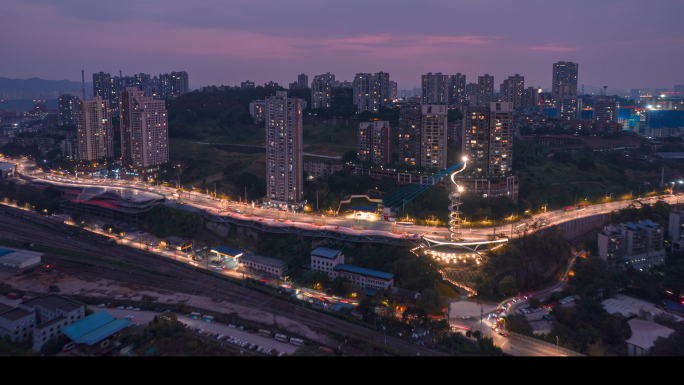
pixel 37 84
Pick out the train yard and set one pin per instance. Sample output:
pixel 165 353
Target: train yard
pixel 89 259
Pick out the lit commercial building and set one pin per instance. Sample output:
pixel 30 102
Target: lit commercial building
pixel 321 91
pixel 174 84
pixel 366 93
pixel 284 158
pixel 374 142
pixel 433 136
pixel 102 85
pixel 606 110
pixel 247 85
pixel 66 105
pixel 512 90
pixel 434 88
pixel 302 80
pixel 457 90
pixel 95 136
pixel 569 108
pixel 639 245
pixel 144 131
pixel 530 98
pixel 564 80
pixel 384 89
pixel 409 136
pixel 256 109
pixel 487 141
pixel 393 91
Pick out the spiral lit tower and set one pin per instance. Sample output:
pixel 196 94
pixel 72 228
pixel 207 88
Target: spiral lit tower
pixel 455 207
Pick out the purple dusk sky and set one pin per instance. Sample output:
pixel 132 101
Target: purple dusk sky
pixel 619 43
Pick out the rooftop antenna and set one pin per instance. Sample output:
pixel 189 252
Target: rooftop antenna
pixel 604 90
pixel 83 83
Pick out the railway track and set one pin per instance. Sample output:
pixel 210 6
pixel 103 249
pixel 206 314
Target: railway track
pixel 121 263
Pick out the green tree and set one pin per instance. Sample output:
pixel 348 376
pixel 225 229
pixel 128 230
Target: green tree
pixel 507 285
pixel 672 346
pixel 517 323
pixel 534 302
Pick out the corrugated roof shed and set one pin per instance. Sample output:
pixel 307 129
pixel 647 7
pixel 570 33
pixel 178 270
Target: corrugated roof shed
pixel 325 252
pixel 363 271
pixel 94 328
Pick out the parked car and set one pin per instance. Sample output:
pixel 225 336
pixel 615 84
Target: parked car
pixel 101 305
pixel 129 316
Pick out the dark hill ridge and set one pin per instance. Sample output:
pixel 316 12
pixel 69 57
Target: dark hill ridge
pixel 37 84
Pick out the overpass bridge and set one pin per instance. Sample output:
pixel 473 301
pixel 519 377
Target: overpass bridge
pixel 314 230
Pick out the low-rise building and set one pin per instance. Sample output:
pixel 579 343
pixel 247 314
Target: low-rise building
pixel 269 265
pixel 644 334
pixel 176 243
pixel 16 323
pixel 7 170
pixel 51 314
pixel 323 170
pixel 325 260
pixel 96 330
pixel 639 245
pixel 331 262
pixel 365 278
pixel 19 259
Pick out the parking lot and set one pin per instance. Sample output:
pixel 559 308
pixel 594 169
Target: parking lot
pixel 212 330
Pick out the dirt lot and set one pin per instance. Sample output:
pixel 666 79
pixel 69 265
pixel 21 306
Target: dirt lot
pixel 38 282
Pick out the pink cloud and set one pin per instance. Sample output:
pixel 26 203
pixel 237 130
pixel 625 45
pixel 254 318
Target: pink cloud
pixel 555 48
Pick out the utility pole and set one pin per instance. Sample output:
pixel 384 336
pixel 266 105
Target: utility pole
pixel 481 315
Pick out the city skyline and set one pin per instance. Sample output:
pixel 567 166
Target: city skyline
pixel 263 41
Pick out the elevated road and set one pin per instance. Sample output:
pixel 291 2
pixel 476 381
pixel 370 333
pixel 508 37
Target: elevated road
pixel 279 221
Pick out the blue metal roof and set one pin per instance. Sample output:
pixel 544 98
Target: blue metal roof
pixel 341 305
pixel 325 252
pixel 5 252
pixel 226 251
pixel 94 328
pixel 361 270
